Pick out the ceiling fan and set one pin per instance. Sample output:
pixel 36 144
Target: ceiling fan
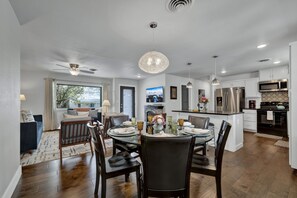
pixel 74 69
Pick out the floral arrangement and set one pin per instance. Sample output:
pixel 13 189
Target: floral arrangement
pixel 158 120
pixel 203 99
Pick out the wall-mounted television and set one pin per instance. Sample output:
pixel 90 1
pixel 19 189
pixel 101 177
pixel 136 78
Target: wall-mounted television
pixel 155 94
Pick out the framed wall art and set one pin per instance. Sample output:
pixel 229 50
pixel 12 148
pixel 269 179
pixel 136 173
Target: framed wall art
pixel 173 92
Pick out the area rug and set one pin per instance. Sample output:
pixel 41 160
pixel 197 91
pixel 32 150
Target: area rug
pixel 268 136
pixel 48 149
pixel 282 143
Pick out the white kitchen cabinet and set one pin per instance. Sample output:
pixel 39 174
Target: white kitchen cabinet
pixel 251 88
pixel 250 120
pixel 274 73
pixel 234 83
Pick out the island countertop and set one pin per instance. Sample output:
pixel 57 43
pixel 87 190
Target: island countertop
pixel 208 112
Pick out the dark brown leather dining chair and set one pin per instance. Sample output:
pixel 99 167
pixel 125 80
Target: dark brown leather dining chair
pixel 203 123
pixel 106 169
pixel 115 122
pixel 166 165
pixel 214 168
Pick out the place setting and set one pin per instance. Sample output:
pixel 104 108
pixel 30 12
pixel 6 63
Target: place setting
pixel 125 131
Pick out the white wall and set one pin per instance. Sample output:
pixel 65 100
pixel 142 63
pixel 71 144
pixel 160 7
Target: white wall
pixel 154 81
pixel 117 82
pixel 10 169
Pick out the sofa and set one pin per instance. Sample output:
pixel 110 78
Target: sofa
pixel 82 113
pixel 31 133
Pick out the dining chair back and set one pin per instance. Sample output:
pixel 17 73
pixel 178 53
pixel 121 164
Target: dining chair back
pixel 105 169
pixel 214 168
pixel 118 120
pixel 166 165
pixel 203 123
pixel 199 122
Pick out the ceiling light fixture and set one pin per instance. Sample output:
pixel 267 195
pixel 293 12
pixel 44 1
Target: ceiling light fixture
pixel 276 62
pixel 138 76
pixel 262 46
pixel 153 62
pixel 74 69
pixel 189 84
pixel 223 71
pixel 215 81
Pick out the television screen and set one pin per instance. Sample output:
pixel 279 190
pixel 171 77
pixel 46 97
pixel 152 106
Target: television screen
pixel 155 94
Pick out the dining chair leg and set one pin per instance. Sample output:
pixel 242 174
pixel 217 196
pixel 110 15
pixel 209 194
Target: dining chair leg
pixel 97 181
pixel 61 160
pixel 127 175
pixel 218 185
pixel 138 183
pixel 204 149
pixel 113 147
pixel 91 147
pixel 103 188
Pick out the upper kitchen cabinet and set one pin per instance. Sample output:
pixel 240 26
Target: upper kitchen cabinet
pixel 251 88
pixel 274 73
pixel 234 83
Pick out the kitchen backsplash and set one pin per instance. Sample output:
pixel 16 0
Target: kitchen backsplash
pixel 281 96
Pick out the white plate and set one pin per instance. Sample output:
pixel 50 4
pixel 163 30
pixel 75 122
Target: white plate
pixel 199 132
pixel 129 133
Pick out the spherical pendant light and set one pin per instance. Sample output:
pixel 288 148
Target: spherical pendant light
pixel 153 62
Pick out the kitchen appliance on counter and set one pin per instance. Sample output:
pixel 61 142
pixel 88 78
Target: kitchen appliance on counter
pixel 252 104
pixel 230 99
pixel 272 118
pixel 274 85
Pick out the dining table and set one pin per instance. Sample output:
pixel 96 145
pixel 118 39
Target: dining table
pixel 135 138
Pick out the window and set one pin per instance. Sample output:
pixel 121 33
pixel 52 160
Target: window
pixel 73 96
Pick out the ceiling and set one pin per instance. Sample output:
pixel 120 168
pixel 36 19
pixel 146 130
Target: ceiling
pixel 111 35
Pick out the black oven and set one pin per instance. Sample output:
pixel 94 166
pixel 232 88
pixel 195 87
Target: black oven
pixel 275 126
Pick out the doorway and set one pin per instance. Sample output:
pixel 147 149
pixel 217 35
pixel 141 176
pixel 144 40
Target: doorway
pixel 185 97
pixel 127 100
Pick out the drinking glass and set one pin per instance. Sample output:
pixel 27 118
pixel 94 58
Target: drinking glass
pixel 181 122
pixel 140 126
pixel 133 121
pixel 150 118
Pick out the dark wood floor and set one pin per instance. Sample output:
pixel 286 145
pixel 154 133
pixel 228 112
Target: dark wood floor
pixel 259 169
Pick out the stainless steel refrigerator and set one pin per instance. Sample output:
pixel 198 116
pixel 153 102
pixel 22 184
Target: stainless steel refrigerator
pixel 230 99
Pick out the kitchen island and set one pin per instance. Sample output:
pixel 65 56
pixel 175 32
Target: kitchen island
pixel 235 138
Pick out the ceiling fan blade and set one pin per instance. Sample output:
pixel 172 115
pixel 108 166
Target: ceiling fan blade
pixel 61 69
pixel 62 66
pixel 86 71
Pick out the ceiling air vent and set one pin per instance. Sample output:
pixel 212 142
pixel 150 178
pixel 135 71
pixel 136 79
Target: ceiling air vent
pixel 175 5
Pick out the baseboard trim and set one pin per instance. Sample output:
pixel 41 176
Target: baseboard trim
pixel 13 183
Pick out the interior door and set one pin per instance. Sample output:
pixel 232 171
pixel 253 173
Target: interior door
pixel 127 100
pixel 185 97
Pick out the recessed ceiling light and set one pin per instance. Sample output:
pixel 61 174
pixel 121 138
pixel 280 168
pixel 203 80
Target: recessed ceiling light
pixel 276 62
pixel 138 76
pixel 262 46
pixel 223 71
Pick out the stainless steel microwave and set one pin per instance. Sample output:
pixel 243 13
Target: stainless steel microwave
pixel 274 85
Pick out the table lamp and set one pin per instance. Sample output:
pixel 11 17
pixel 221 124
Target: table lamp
pixel 105 106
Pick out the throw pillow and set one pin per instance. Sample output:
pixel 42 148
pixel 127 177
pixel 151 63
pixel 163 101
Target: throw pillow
pixel 93 113
pixel 81 113
pixel 74 116
pixel 72 112
pixel 27 116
